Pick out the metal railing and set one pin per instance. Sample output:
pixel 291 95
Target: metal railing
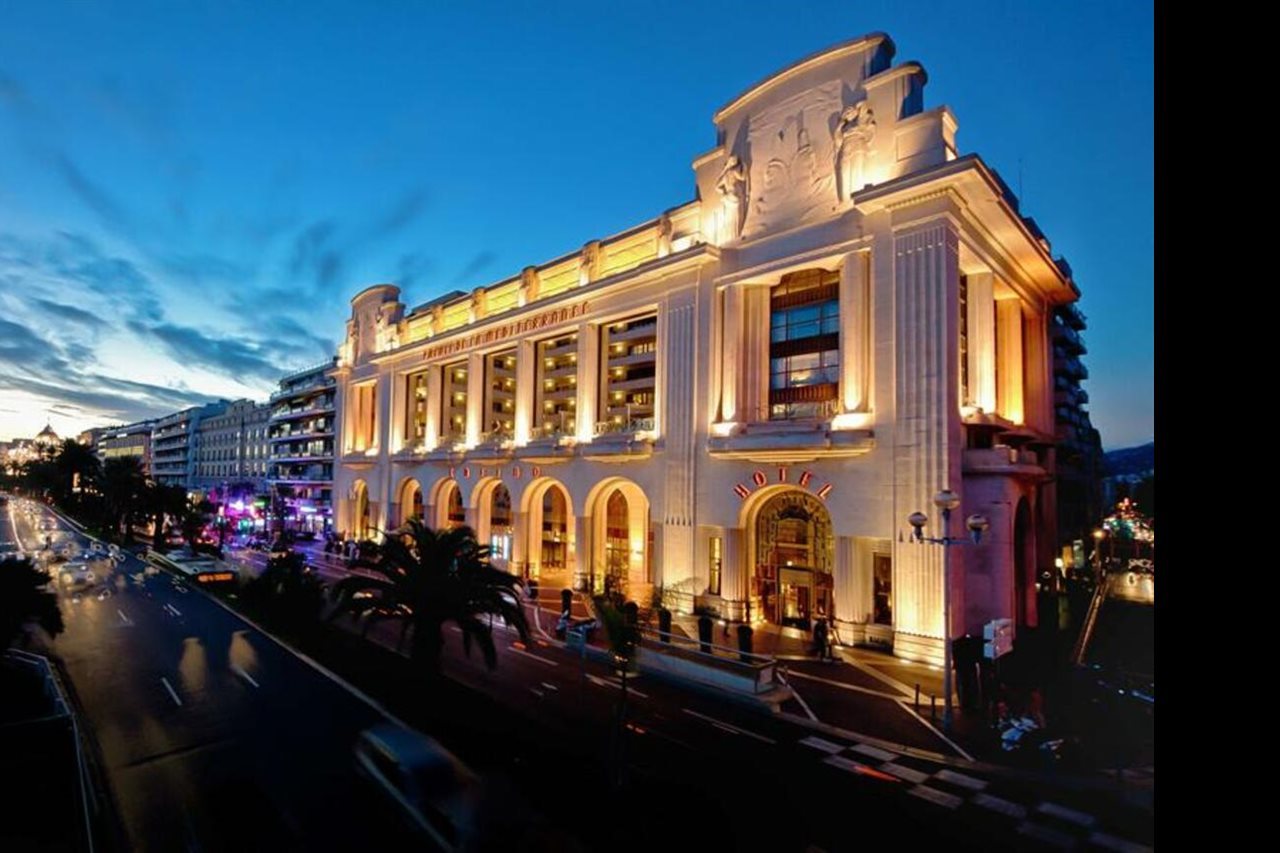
pixel 631 425
pixel 760 669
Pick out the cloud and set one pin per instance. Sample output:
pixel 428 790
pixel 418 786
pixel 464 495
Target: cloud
pixel 405 211
pixel 412 267
pixel 475 266
pixel 227 356
pixel 71 314
pixel 110 211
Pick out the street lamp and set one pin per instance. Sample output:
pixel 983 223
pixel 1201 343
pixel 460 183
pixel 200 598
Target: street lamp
pixel 947 501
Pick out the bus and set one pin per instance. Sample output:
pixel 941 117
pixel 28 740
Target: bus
pixel 200 569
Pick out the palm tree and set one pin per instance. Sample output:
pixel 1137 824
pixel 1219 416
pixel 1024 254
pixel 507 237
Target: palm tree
pixel 163 501
pixel 23 598
pixel 76 460
pixel 430 577
pixel 623 637
pixel 123 483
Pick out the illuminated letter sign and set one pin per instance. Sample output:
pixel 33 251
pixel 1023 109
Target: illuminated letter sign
pixel 759 478
pixel 741 491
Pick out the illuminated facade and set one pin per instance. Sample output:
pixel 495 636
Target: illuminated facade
pixel 743 399
pixel 300 437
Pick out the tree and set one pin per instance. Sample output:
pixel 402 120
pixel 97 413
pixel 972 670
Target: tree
pixel 281 496
pixel 623 636
pixel 430 577
pixel 123 485
pixel 24 597
pixel 75 462
pixel 160 502
pixel 288 591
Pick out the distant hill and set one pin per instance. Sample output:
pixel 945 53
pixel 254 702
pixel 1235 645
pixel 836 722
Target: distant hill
pixel 1131 460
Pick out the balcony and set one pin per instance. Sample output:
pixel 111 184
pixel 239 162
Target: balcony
pixel 1069 339
pixel 833 437
pixel 615 441
pixel 288 413
pixel 300 435
pixel 648 331
pixel 299 457
pixel 1002 459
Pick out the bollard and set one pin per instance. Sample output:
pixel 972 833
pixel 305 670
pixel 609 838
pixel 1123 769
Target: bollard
pixel 664 625
pixel 744 643
pixel 566 601
pixel 917 697
pixel 704 634
pixel 933 707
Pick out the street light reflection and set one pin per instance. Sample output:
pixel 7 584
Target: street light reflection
pixel 194 666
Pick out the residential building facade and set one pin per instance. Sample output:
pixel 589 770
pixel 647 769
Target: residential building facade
pixel 232 448
pixel 129 440
pixel 742 400
pixel 300 437
pixel 175 444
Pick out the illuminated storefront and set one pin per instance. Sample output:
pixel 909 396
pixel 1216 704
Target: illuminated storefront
pixel 743 399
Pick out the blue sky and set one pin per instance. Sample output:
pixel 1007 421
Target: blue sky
pixel 190 193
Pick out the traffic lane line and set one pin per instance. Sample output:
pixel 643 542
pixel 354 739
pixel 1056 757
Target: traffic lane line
pixel 239 670
pixel 608 682
pixel 172 693
pixel 729 727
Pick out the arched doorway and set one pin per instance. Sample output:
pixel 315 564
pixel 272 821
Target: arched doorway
pixel 455 514
pixel 500 526
pixel 410 502
pixel 360 527
pixel 1021 561
pixel 619 544
pixel 794 553
pixel 549 538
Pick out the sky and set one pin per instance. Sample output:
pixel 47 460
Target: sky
pixel 190 193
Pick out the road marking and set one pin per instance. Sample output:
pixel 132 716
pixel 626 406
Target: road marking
pixel 238 670
pixel 948 741
pixel 854 687
pixel 913 776
pixel 1047 835
pixel 713 721
pixel 933 795
pixel 824 745
pixel 1110 842
pixel 171 609
pixel 536 692
pixel 547 661
pixel 1071 815
pixel 123 618
pixel 1000 806
pixel 854 767
pixel 608 682
pixel 874 751
pixel 549 686
pixel 961 779
pixel 172 693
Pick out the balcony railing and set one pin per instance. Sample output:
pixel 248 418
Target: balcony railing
pixel 631 426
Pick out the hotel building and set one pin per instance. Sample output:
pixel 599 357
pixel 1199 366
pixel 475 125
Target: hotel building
pixel 743 399
pixel 232 448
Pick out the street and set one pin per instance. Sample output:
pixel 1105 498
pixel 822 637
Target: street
pixel 212 736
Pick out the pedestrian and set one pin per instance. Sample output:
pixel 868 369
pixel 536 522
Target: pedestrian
pixel 820 639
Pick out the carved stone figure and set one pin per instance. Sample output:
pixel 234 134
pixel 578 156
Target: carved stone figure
pixel 852 141
pixel 589 263
pixel 732 187
pixel 664 235
pixel 529 284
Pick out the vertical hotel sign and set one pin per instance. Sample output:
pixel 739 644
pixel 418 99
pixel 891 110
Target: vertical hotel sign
pixel 509 330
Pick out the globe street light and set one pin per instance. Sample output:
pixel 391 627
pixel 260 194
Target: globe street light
pixel 947 501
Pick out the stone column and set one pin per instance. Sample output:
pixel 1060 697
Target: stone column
pixel 735 574
pixel 1009 393
pixel 342 441
pixel 526 363
pixel 435 390
pixel 475 399
pixel 397 411
pixel 731 355
pixel 674 416
pixel 588 380
pixel 855 332
pixel 982 342
pixel 1038 381
pixel 846 580
pixel 927 434
pixel 519 540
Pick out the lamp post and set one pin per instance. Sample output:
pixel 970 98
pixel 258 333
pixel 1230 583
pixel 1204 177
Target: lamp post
pixel 947 501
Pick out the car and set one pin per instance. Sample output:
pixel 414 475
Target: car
pixel 435 792
pixel 76 574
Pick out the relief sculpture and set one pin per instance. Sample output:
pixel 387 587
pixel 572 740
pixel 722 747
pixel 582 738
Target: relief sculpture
pixel 853 144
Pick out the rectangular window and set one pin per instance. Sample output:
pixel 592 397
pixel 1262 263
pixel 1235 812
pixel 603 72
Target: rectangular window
pixel 453 420
pixel 500 395
pixel 882 569
pixel 715 557
pixel 415 407
pixel 629 356
pixel 556 392
pixel 804 345
pixel 366 408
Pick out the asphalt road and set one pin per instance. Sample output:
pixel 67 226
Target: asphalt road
pixel 216 738
pixel 213 737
